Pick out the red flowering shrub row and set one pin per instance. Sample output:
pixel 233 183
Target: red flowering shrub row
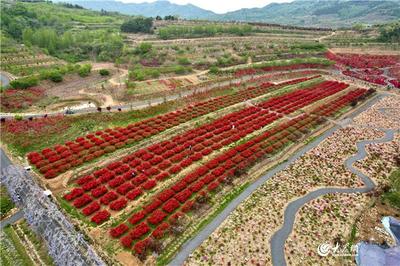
pixel 380 80
pixel 364 61
pixel 82 201
pixel 118 204
pixel 395 83
pixel 76 192
pixel 301 98
pixel 58 159
pixel 141 171
pixel 119 230
pixel 92 208
pixel 160 230
pixel 209 177
pixel 368 67
pixel 100 217
pixel 331 108
pixel 213 173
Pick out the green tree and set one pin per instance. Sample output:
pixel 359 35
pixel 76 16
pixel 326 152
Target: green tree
pixel 390 32
pixel 214 70
pixel 84 70
pixel 24 83
pixel 143 48
pixel 183 61
pixel 138 24
pixel 104 72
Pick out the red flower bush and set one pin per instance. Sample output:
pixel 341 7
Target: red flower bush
pixel 152 206
pixel 149 184
pixel 183 195
pixel 100 217
pixel 160 230
pixel 99 191
pixel 134 194
pixel 125 188
pixel 171 205
pixel 76 192
pixel 139 231
pixel 107 198
pixel 137 217
pixel 213 186
pixel 91 208
pixel 156 217
pixel 90 185
pixel 126 241
pixel 165 195
pixel 118 204
pixel 118 231
pixel 188 206
pixel 84 180
pixel 116 182
pixel 82 201
pixel 140 246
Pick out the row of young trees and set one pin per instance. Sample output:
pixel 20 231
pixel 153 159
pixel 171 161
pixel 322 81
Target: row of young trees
pixel 76 46
pixel 171 32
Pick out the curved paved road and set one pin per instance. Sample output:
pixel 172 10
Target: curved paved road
pixel 193 243
pixel 279 238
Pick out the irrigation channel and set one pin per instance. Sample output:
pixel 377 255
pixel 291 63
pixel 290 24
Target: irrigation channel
pixel 66 246
pixel 279 238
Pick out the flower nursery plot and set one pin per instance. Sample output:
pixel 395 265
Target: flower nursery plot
pixel 159 185
pixel 377 69
pixel 14 100
pixel 167 138
pixel 160 214
pixel 60 158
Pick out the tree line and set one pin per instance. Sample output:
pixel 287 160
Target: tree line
pixel 171 32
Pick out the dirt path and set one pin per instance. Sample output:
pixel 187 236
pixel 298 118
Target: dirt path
pixel 118 78
pixel 326 36
pixel 107 99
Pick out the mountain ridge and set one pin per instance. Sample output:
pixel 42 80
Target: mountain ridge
pixel 319 13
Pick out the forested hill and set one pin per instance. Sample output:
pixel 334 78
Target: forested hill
pixel 318 13
pixel 152 9
pixel 63 30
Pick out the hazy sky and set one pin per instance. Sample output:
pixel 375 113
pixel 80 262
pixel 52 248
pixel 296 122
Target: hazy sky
pixel 219 6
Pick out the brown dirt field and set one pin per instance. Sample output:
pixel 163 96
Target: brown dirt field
pixel 71 85
pixel 127 259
